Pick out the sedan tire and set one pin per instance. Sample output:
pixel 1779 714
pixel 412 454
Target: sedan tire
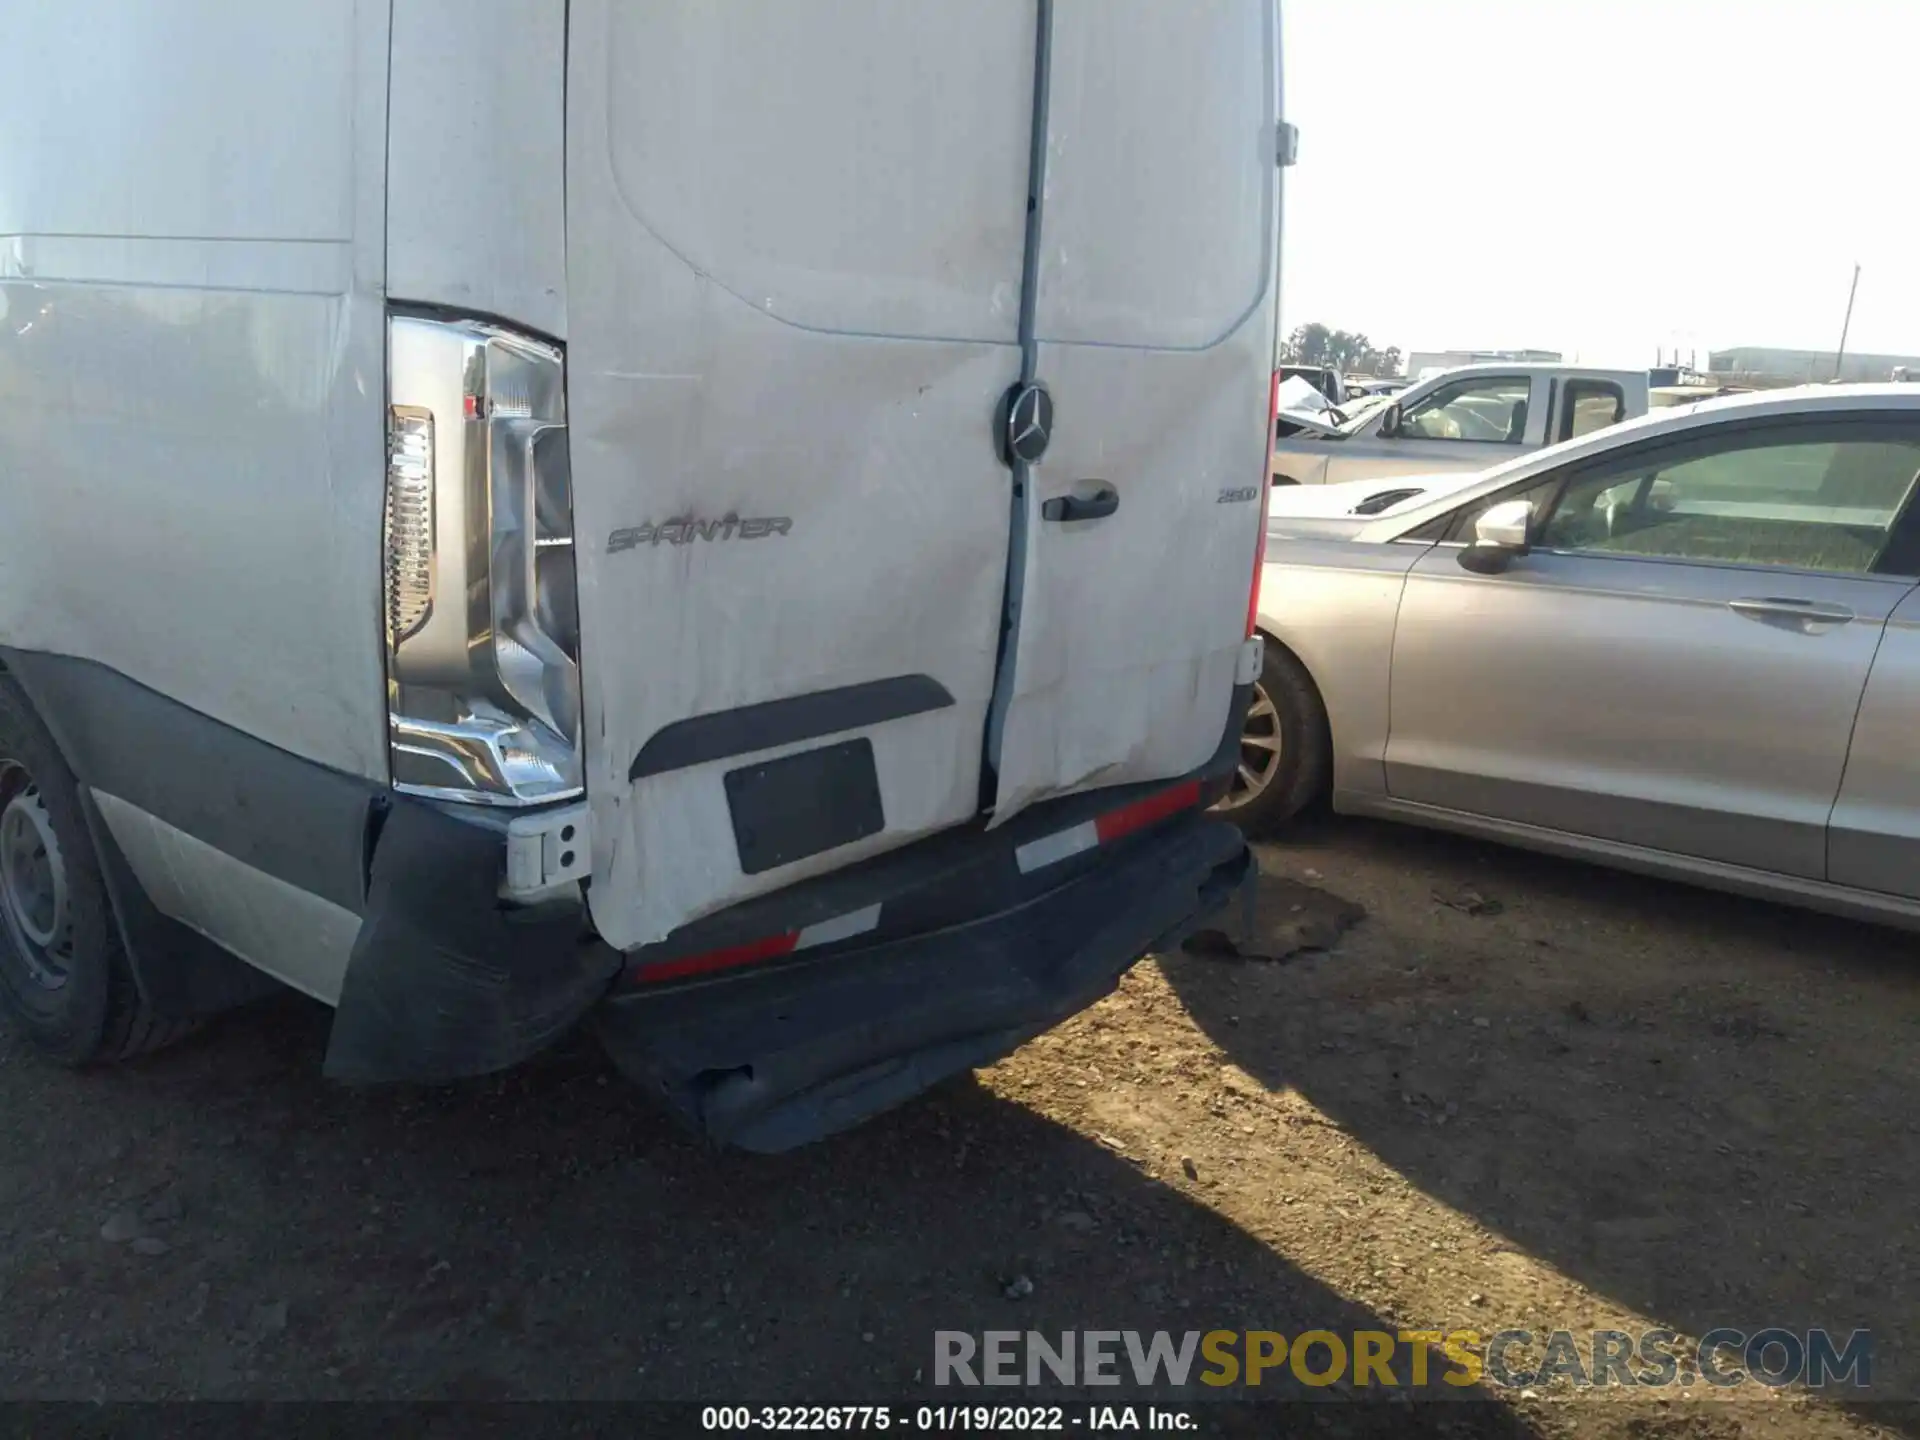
pixel 1286 752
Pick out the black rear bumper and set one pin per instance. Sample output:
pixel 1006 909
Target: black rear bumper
pixel 969 956
pixel 778 1057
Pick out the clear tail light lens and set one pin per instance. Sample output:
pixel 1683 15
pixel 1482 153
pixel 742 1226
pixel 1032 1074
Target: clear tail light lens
pixel 409 525
pixel 483 650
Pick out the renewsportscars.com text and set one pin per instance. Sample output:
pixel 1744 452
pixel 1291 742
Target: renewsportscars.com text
pixel 1721 1359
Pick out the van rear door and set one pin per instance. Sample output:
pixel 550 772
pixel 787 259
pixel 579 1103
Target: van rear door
pixel 795 235
pixel 1153 332
pixel 804 278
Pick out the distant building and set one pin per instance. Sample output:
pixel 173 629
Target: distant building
pixel 1800 367
pixel 1672 375
pixel 1421 361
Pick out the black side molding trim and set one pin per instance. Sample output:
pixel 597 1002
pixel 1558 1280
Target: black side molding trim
pixel 294 818
pixel 726 733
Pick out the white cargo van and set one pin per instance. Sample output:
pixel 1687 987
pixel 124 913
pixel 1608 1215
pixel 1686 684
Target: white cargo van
pixel 731 522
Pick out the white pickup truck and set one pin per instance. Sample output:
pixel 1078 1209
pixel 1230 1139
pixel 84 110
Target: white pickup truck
pixel 1465 419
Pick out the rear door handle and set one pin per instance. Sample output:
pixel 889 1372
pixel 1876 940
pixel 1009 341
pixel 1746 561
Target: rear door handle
pixel 1097 506
pixel 1782 607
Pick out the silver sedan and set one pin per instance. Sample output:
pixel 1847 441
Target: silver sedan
pixel 1687 645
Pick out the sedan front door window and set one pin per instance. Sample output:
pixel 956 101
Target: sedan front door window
pixel 1485 410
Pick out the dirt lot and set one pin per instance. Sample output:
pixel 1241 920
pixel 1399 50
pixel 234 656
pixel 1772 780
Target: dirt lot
pixel 1600 1101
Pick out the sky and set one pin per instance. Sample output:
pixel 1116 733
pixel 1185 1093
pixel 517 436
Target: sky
pixel 1604 179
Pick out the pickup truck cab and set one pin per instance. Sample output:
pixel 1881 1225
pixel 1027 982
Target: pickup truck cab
pixel 1465 419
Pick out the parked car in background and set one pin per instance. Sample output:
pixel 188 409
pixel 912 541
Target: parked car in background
pixel 1292 422
pixel 1297 406
pixel 1465 419
pixel 1688 645
pixel 1661 397
pixel 1375 385
pixel 1323 378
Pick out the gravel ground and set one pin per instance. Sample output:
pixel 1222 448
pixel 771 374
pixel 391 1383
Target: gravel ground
pixel 1491 1090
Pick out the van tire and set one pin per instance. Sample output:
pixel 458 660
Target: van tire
pixel 74 998
pixel 1306 745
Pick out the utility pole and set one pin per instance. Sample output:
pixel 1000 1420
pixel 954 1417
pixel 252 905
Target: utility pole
pixel 1846 324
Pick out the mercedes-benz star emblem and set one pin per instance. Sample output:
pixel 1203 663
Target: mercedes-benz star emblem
pixel 1029 422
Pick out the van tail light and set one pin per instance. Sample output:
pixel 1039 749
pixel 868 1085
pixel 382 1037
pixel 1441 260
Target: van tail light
pixel 1266 482
pixel 409 520
pixel 482 629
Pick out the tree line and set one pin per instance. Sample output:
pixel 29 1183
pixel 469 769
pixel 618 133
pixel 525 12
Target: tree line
pixel 1345 350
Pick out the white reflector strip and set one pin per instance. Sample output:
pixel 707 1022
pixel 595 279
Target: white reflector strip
pixel 841 927
pixel 1052 849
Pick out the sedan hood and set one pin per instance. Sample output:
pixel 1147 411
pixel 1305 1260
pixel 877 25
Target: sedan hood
pixel 1363 501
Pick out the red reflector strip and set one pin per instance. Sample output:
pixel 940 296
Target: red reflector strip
pixel 767 949
pixel 1078 839
pixel 1142 813
pixel 825 932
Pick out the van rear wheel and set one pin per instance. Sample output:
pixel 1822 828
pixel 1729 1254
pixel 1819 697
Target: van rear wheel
pixel 64 977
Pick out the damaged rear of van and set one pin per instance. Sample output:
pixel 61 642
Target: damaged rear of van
pixel 734 524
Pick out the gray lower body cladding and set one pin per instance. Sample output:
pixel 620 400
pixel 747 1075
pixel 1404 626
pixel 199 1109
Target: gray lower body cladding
pixel 775 1059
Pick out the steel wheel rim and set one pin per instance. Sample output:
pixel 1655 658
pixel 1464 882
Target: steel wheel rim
pixel 34 895
pixel 1261 750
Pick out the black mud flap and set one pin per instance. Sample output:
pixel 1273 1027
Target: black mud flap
pixel 782 1057
pixel 444 981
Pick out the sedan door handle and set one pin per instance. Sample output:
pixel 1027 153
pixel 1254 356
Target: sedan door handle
pixel 1097 506
pixel 1780 607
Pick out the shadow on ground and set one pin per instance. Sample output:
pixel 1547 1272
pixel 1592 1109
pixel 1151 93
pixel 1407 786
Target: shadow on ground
pixel 546 1235
pixel 1702 1107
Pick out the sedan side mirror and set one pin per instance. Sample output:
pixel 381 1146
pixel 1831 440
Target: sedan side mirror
pixel 1500 537
pixel 1390 421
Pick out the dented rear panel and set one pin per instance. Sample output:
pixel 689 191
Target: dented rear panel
pixel 813 251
